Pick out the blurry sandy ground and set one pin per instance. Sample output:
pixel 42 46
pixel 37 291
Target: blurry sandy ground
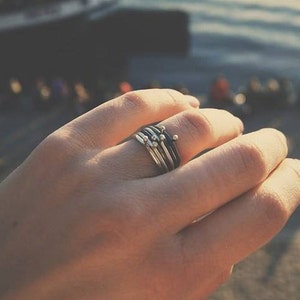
pixel 273 272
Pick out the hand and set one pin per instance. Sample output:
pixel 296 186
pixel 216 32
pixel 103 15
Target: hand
pixel 88 216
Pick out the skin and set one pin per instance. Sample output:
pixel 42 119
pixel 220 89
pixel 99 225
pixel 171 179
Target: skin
pixel 88 216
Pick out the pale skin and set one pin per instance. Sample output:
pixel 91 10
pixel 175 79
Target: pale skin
pixel 88 216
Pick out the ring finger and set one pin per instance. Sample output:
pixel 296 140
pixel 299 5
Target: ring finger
pixel 197 130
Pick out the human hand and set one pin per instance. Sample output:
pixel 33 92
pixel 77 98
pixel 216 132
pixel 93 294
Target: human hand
pixel 88 216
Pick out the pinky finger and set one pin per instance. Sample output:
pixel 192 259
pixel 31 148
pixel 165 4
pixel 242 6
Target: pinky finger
pixel 239 228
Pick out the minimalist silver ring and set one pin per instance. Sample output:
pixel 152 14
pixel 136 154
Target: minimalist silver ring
pixel 161 146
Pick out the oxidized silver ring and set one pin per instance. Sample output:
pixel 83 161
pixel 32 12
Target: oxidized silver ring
pixel 161 146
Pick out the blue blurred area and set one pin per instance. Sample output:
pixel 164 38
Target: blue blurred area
pixel 238 38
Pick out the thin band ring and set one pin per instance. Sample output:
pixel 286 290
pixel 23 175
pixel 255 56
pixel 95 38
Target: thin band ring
pixel 166 138
pixel 162 150
pixel 144 140
pixel 161 146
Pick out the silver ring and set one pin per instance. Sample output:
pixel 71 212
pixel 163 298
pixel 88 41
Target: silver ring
pixel 161 146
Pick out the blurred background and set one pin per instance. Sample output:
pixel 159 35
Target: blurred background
pixel 61 58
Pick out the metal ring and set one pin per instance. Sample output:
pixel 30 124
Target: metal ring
pixel 161 146
pixel 169 143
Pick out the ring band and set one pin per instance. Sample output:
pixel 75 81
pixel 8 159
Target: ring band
pixel 161 146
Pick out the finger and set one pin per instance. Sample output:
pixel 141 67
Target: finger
pixel 212 180
pixel 115 120
pixel 242 226
pixel 197 131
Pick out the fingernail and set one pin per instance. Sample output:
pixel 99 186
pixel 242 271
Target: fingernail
pixel 193 101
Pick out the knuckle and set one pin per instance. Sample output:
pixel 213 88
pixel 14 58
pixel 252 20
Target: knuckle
pixel 274 208
pixel 197 124
pixel 134 101
pixel 252 159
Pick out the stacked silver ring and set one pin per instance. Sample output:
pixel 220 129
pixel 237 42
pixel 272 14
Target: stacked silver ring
pixel 160 146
